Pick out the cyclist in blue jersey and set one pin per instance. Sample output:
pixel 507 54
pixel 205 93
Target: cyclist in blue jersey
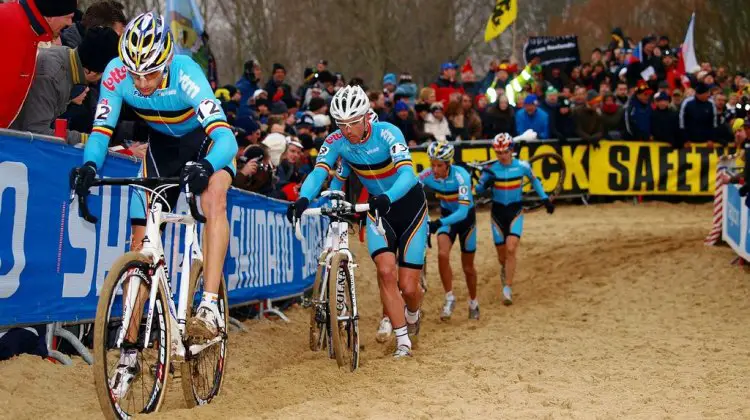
pixel 189 137
pixel 377 153
pixel 505 178
pixel 452 186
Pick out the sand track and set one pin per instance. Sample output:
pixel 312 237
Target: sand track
pixel 620 311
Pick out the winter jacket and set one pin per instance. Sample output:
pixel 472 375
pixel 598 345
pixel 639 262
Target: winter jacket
pixel 444 88
pixel 58 69
pixel 439 129
pixel 589 126
pixel 499 121
pixel 410 90
pixel 72 36
pixel 665 127
pixel 638 120
pixel 564 128
pixel 22 29
pixel 538 122
pixel 698 120
pixel 280 92
pixel 246 87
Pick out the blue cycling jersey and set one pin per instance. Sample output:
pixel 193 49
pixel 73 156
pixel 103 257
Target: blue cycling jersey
pixel 382 162
pixel 453 191
pixel 507 181
pixel 183 103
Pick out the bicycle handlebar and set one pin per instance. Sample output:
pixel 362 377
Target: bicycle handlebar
pixel 340 209
pixel 144 182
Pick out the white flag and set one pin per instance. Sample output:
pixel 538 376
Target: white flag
pixel 688 48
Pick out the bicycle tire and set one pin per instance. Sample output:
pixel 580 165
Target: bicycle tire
pixel 191 363
pixel 345 339
pixel 531 206
pixel 111 409
pixel 317 329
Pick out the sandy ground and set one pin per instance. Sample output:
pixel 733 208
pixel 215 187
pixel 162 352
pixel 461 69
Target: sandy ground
pixel 619 311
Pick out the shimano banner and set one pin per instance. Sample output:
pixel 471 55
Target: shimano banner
pixel 561 51
pixel 52 262
pixel 735 221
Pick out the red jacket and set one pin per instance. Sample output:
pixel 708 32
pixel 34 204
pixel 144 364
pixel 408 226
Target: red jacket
pixel 22 28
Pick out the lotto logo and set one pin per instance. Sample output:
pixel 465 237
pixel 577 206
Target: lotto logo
pixel 115 77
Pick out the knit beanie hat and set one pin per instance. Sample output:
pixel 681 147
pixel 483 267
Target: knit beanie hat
pixel 98 48
pixel 55 8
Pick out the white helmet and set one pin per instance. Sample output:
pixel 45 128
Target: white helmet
pixel 349 102
pixel 146 44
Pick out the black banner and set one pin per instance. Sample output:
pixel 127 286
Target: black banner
pixel 561 51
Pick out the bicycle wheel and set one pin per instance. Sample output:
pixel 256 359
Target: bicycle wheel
pixel 552 163
pixel 342 298
pixel 203 372
pixel 117 397
pixel 318 310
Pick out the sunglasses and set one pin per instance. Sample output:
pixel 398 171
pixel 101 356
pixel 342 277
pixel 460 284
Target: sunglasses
pixel 148 76
pixel 349 125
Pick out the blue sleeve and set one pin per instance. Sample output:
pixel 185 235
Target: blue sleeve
pixel 456 216
pixel 339 177
pixel 105 118
pixel 327 157
pixel 544 129
pixel 535 181
pixel 486 177
pixel 401 158
pixel 520 124
pixel 196 92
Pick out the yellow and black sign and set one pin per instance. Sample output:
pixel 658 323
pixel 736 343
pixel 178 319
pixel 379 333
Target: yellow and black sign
pixel 650 168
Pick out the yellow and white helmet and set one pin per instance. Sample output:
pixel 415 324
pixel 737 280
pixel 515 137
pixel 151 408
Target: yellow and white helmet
pixel 146 45
pixel 441 151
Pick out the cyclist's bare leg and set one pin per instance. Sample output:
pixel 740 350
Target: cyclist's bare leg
pixel 214 206
pixel 136 243
pixel 393 302
pixel 444 263
pixel 500 253
pixel 410 290
pixel 467 261
pixel 511 247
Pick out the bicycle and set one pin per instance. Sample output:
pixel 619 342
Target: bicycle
pixel 551 163
pixel 335 277
pixel 143 281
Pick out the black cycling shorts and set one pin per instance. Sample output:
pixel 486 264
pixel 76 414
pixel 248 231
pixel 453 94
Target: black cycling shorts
pixel 465 230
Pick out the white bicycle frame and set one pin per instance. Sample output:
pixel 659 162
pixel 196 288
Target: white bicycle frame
pixel 154 250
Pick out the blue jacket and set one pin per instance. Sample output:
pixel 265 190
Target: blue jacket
pixel 538 122
pixel 246 88
pixel 638 119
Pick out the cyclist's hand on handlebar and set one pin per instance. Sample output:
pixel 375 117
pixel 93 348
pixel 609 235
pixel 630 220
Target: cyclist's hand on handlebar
pixel 82 178
pixel 381 203
pixel 295 210
pixel 435 225
pixel 549 205
pixel 196 175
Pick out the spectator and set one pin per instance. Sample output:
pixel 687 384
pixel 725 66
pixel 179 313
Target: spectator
pixel 472 120
pixel 501 118
pixel 740 136
pixel 589 126
pixel 638 113
pixel 377 104
pixel 277 89
pixel 698 117
pixel 565 126
pixel 579 97
pixel 427 95
pixel 532 118
pixel 248 132
pixel 288 171
pixel 551 97
pixel 230 101
pixel 247 85
pixel 103 13
pixel 58 69
pixel 676 100
pixel 724 133
pixel 436 123
pixel 455 115
pixel 304 125
pixel 664 122
pixel 404 122
pixel 469 79
pixel 612 117
pixel 421 111
pixel 255 173
pixel 621 94
pixel 24 25
pixel 555 80
pixel 446 84
pixel 407 88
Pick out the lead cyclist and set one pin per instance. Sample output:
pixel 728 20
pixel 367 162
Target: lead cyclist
pixel 189 137
pixel 377 153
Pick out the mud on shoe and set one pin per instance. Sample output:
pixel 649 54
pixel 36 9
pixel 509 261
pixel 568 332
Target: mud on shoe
pixel 204 324
pixel 448 307
pixel 402 351
pixel 384 330
pixel 127 370
pixel 507 296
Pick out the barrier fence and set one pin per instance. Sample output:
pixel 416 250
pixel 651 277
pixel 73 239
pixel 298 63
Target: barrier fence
pixel 735 221
pixel 52 262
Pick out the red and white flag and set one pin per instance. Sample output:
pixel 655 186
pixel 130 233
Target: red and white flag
pixel 688 62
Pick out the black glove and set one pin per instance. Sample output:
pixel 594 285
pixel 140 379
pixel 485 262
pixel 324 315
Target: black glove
pixel 295 209
pixel 381 203
pixel 196 175
pixel 549 206
pixel 82 177
pixel 744 190
pixel 435 225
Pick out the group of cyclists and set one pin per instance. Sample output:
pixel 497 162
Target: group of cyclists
pixel 190 138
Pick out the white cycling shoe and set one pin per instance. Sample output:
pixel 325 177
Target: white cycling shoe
pixel 384 330
pixel 206 323
pixel 448 307
pixel 402 351
pixel 127 370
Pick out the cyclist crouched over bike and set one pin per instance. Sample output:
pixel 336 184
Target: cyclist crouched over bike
pixel 378 154
pixel 452 186
pixel 505 178
pixel 189 137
